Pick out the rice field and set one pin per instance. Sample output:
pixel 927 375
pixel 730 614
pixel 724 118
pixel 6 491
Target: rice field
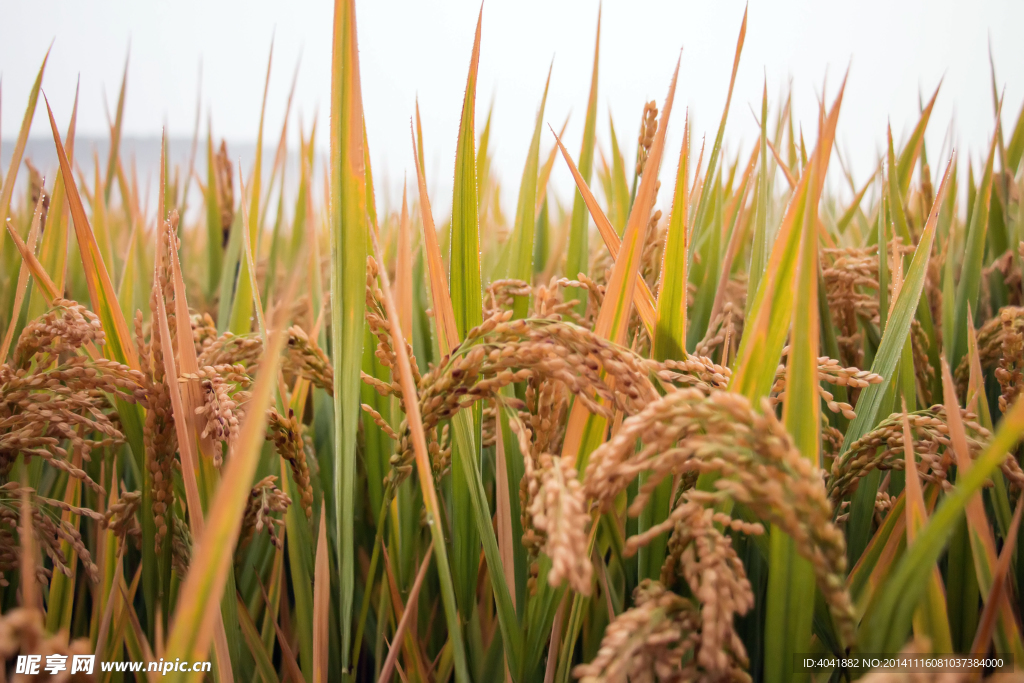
pixel 708 419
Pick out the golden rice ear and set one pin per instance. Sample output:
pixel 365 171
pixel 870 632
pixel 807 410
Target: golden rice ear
pixel 559 512
pixel 721 434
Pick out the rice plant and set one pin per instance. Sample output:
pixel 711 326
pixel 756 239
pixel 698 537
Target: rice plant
pixel 310 437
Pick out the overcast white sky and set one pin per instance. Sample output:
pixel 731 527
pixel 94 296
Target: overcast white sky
pixel 421 47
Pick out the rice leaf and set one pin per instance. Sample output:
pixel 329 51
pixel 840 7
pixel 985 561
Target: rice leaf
pixel 205 609
pixel 973 257
pixel 885 545
pixel 890 622
pixel 241 305
pixel 577 613
pixel 976 401
pixel 578 249
pixel 669 343
pixel 642 297
pixel 303 198
pixel 247 249
pixel 912 150
pixel 53 249
pixel 7 190
pixel 464 258
pixel 22 285
pixel 931 619
pixel 229 272
pixel 705 272
pixel 898 327
pixel 542 183
pixel 771 312
pixel 477 505
pixel 403 269
pixel 281 154
pixel 287 656
pixel 101 291
pixel 138 645
pixel 618 197
pixel 301 569
pixel 118 346
pixel 115 132
pixel 414 656
pixel 483 161
pixel 403 623
pixel 61 598
pixel 99 220
pixel 1015 149
pixel 41 276
pixel 444 315
pixel 424 471
pixel 349 246
pixel 791 179
pixel 130 275
pixel 210 572
pixel 193 394
pixel 670 325
pixel 107 613
pixel 982 541
pixel 321 603
pixel 896 212
pixel 521 243
pixel 737 231
pixel 201 447
pixel 790 608
pixel 465 288
pixel 503 513
pixel 997 596
pixel 214 229
pixel 854 206
pixel 760 247
pixel 264 664
pixel 702 205
pixel 585 430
